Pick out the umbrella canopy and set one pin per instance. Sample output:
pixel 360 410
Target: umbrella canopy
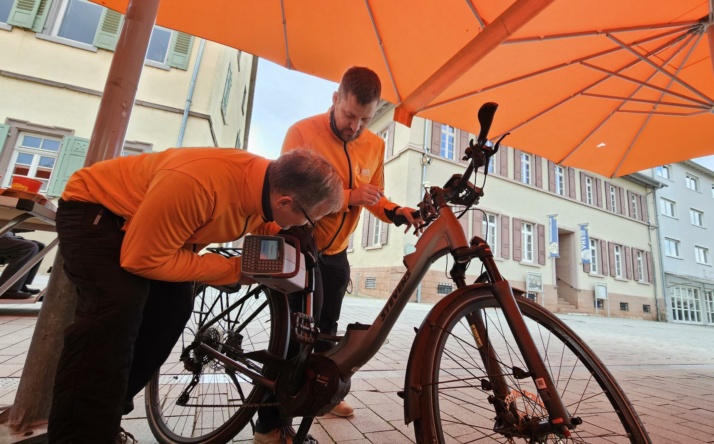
pixel 609 86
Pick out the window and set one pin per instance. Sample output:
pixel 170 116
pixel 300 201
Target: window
pixel 34 156
pixel 526 168
pixel 77 21
pixel 159 42
pixel 667 207
pixel 624 306
pixel 489 227
pixel 589 190
pixel 696 217
pixel 594 263
pixel 692 182
pixel 376 235
pixel 226 93
pixel 646 308
pixel 709 305
pixel 712 190
pixel 443 289
pixel 448 137
pixel 671 247
pixel 663 171
pixel 5 7
pixel 685 304
pixel 245 97
pixel 634 206
pixel 599 303
pixel 384 135
pixel 618 261
pixel 640 264
pixel 613 199
pixel 528 244
pixel 701 254
pixel 560 180
pixel 370 283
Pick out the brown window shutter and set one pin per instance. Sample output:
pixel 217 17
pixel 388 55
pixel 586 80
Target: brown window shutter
pixel 505 247
pixel 477 227
pixel 538 172
pixel 635 271
pixel 435 138
pixel 649 266
pixel 583 194
pixel 390 141
pixel 503 160
pixel 628 263
pixel 517 240
pixel 598 192
pixel 642 202
pixel 384 235
pixel 541 244
pixel 571 183
pixel 608 205
pixel 586 267
pixel 628 206
pixel 463 144
pixel 365 228
pixel 517 165
pixel 351 241
pixel 551 176
pixel 611 255
pixel 623 204
pixel 604 268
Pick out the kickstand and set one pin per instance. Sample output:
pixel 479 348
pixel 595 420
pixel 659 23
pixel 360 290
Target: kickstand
pixel 301 434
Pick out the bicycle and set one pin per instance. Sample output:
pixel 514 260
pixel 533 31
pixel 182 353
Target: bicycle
pixel 486 363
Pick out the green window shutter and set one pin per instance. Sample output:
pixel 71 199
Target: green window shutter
pixel 71 158
pixel 180 49
pixel 23 13
pixel 39 23
pixel 4 130
pixel 108 30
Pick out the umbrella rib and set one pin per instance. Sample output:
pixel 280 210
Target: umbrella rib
pixel 382 50
pixel 480 19
pixel 655 102
pixel 288 63
pixel 639 82
pixel 680 26
pixel 659 68
pixel 649 117
pixel 556 67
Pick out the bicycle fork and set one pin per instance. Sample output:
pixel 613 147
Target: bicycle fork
pixel 560 419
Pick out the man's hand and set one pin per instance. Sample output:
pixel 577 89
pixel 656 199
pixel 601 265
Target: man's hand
pixel 365 194
pixel 406 212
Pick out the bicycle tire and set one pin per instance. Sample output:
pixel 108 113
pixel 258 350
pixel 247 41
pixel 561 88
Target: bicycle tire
pixel 222 403
pixel 456 406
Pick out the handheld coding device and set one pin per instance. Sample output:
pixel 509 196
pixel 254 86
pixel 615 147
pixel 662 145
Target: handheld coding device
pixel 273 262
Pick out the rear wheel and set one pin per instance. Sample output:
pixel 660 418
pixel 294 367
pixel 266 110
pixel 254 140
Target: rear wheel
pixel 197 399
pixel 455 407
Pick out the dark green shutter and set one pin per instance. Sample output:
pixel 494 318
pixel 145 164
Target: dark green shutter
pixel 4 130
pixel 180 49
pixel 108 30
pixel 23 13
pixel 71 158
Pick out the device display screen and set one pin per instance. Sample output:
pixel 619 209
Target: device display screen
pixel 269 249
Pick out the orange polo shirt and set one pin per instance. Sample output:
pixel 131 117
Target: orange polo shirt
pixel 176 202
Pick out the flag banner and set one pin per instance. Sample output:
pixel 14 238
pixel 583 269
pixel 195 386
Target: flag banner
pixel 553 246
pixel 584 244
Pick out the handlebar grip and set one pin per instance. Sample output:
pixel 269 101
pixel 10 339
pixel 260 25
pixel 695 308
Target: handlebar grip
pixel 485 118
pixel 401 220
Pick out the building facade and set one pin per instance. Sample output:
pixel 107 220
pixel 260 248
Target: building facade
pixel 601 259
pixel 54 60
pixel 685 208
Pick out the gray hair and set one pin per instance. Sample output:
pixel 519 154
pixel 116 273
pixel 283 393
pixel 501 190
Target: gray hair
pixel 308 178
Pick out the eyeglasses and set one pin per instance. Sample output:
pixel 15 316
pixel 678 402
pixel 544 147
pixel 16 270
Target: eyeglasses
pixel 304 213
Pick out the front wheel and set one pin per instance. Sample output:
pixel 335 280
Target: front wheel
pixel 195 398
pixel 458 404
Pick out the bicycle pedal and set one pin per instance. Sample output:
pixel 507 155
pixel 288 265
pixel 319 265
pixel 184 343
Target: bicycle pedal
pixel 304 330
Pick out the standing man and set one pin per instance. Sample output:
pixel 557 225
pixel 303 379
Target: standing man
pixel 130 230
pixel 340 136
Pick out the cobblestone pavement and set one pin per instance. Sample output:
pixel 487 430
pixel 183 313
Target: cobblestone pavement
pixel 666 369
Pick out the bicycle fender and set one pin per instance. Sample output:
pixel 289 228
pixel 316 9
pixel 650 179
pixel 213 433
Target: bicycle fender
pixel 417 375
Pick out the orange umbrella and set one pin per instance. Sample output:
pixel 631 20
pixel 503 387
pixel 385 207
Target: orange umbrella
pixel 610 86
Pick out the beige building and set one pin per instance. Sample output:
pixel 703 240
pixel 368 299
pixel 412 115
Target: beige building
pixel 54 60
pixel 521 192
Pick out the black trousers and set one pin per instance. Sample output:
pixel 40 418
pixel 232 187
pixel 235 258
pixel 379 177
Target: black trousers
pixel 18 251
pixel 124 328
pixel 331 277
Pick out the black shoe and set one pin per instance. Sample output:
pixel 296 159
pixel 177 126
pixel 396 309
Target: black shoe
pixel 16 295
pixel 27 289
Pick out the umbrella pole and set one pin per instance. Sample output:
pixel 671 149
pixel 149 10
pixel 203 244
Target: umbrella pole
pixel 34 396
